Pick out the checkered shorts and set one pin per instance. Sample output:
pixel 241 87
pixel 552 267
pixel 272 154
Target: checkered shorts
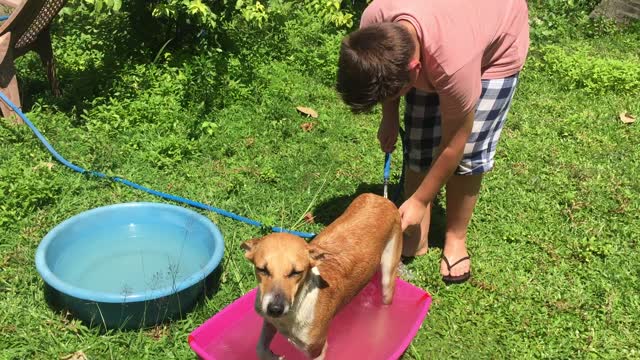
pixel 422 127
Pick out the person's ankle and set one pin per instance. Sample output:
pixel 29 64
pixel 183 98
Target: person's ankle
pixel 455 244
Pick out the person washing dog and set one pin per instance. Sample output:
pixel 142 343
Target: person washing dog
pixel 456 62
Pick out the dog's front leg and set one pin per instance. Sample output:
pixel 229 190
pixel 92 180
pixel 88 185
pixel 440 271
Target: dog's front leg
pixel 266 336
pixel 318 350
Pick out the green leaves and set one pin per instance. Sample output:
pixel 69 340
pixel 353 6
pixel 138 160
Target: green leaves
pixel 253 13
pixel 103 5
pixel 579 66
pixel 332 12
pixel 210 14
pixel 556 20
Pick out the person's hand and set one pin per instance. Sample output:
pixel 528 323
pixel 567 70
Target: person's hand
pixel 388 133
pixel 412 212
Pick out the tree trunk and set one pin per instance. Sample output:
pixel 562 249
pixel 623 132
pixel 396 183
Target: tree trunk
pixel 619 10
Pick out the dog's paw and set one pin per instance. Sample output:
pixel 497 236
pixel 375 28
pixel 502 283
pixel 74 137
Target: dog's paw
pixel 268 355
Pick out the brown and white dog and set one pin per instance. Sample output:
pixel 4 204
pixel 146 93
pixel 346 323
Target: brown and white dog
pixel 303 285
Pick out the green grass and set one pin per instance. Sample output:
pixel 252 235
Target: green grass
pixel 554 239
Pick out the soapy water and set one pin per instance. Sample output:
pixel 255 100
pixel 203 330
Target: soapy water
pixel 405 273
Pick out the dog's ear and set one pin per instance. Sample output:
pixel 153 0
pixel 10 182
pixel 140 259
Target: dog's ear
pixel 316 254
pixel 249 247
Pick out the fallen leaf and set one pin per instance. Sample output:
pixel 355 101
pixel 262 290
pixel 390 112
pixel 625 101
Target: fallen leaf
pixel 48 165
pixel 308 217
pixel 73 327
pixel 8 329
pixel 249 141
pixel 78 355
pixel 627 118
pixel 159 331
pixel 308 126
pixel 65 317
pixel 307 111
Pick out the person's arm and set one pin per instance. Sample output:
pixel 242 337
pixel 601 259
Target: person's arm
pixel 458 95
pixel 455 132
pixel 389 125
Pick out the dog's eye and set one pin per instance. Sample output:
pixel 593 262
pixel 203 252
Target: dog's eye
pixel 294 273
pixel 262 271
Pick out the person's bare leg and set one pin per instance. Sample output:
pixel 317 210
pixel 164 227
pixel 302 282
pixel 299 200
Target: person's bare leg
pixel 462 194
pixel 416 238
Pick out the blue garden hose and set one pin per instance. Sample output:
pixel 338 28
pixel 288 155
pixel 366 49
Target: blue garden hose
pixel 387 170
pixel 139 187
pixel 4 17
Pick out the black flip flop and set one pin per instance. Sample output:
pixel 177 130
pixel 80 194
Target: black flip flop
pixel 455 279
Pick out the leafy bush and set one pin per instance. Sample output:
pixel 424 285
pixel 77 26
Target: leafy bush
pixel 210 14
pixel 316 48
pixel 554 20
pixel 331 12
pixel 567 9
pixel 579 68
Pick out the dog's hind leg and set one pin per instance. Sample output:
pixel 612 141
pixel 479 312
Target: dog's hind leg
pixel 389 264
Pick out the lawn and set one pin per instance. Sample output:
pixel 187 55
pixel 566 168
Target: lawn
pixel 555 238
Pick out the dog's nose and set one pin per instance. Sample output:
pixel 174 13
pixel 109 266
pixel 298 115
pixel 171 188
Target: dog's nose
pixel 275 309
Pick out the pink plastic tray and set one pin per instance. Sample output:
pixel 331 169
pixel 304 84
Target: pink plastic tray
pixel 364 329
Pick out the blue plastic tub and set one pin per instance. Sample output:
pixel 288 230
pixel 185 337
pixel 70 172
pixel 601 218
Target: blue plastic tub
pixel 130 265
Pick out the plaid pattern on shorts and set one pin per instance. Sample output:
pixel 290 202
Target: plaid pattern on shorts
pixel 423 133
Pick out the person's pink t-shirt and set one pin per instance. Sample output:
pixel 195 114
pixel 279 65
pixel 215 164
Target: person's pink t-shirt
pixel 463 41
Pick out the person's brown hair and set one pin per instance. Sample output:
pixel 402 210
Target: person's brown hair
pixel 373 64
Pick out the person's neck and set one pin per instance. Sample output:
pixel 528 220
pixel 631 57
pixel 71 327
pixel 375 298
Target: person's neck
pixel 414 36
pixel 421 82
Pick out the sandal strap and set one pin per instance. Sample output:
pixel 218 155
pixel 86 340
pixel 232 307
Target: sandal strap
pixel 449 267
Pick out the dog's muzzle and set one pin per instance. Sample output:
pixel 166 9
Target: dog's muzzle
pixel 276 305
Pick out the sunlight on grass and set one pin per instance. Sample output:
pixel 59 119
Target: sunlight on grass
pixel 554 240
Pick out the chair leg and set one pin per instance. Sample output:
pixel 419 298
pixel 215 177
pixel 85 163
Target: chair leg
pixel 12 92
pixel 44 49
pixel 8 80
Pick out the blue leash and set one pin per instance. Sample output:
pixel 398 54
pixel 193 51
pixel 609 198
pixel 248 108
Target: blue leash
pixel 387 170
pixel 140 187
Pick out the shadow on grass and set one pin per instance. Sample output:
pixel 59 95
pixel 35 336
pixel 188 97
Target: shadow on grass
pixel 134 315
pixel 327 212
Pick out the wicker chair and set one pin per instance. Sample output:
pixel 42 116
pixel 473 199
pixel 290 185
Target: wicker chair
pixel 27 28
